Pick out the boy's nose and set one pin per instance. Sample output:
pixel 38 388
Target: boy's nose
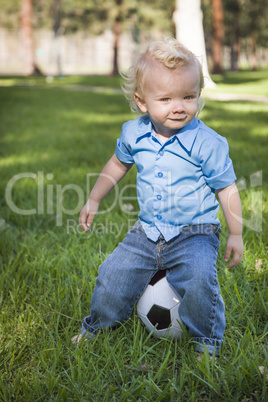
pixel 178 107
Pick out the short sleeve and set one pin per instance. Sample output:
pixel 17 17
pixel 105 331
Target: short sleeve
pixel 123 148
pixel 217 165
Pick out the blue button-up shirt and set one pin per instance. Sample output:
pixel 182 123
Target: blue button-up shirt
pixel 176 180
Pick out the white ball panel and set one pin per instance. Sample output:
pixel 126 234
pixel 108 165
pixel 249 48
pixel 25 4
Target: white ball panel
pixel 160 294
pixel 174 333
pixel 170 333
pixel 164 295
pixel 159 334
pixel 146 301
pixel 174 313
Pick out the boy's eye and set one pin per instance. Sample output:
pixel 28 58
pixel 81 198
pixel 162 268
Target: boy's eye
pixel 165 99
pixel 189 97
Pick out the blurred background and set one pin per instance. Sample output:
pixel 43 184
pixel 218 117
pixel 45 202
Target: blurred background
pixel 62 37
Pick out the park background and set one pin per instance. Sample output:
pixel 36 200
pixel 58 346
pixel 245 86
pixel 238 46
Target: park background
pixel 61 110
pixel 86 37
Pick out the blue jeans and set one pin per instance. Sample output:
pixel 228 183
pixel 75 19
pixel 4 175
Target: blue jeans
pixel 189 260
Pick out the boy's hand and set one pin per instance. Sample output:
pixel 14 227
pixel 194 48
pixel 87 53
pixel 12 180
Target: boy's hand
pixel 87 214
pixel 234 246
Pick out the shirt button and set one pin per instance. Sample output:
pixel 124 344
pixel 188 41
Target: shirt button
pixel 159 197
pixel 160 174
pixel 159 217
pixel 161 153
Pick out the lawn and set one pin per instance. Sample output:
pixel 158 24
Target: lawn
pixel 243 82
pixel 54 142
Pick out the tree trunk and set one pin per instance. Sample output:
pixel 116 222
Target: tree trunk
pixel 218 35
pixel 26 15
pixel 188 19
pixel 253 53
pixel 56 8
pixel 117 32
pixel 235 45
pixel 235 50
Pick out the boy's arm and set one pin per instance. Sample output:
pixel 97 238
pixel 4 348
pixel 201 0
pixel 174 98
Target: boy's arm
pixel 111 174
pixel 231 206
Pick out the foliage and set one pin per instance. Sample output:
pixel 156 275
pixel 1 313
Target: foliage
pixel 92 15
pixel 9 13
pixel 254 22
pixel 245 21
pixel 242 20
pixel 48 272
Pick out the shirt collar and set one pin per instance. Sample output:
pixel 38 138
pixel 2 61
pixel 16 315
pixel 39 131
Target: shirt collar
pixel 186 136
pixel 145 127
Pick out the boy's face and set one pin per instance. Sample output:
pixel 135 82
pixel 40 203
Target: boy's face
pixel 170 97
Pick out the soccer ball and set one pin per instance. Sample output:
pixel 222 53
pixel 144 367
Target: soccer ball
pixel 158 308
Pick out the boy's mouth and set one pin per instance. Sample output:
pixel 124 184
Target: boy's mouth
pixel 179 119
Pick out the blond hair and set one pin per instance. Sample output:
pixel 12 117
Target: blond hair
pixel 167 51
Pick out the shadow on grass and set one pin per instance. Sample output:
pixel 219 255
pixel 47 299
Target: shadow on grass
pixel 240 77
pixel 51 81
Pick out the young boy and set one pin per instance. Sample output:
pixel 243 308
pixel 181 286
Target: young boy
pixel 181 164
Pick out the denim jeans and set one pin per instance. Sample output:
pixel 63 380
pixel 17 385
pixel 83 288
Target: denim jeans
pixel 189 260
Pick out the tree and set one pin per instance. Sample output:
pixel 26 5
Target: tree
pixel 232 31
pixel 57 29
pixel 136 16
pixel 245 29
pixel 189 31
pixel 245 23
pixel 117 31
pixel 144 19
pixel 218 36
pixel 254 27
pixel 26 16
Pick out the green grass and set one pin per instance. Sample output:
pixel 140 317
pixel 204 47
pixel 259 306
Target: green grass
pixel 48 82
pixel 243 82
pixel 48 267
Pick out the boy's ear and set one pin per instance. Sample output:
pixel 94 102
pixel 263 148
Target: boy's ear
pixel 140 102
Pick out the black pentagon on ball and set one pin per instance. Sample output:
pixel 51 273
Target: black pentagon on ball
pixel 157 277
pixel 159 317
